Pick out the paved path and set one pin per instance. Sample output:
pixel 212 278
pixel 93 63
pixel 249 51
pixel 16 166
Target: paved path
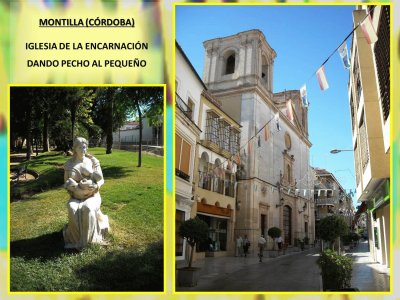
pixel 295 271
pixel 368 275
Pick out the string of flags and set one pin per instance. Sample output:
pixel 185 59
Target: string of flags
pixel 370 36
pixel 334 193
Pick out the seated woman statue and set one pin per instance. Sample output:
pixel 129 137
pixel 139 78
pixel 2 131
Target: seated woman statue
pixel 83 178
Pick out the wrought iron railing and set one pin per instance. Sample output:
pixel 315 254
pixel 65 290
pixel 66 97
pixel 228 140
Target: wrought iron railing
pixel 209 181
pixel 382 55
pixel 182 175
pixel 184 107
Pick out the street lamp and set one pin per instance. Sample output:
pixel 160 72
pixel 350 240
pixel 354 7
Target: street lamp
pixel 335 151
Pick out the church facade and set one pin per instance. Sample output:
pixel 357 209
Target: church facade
pixel 274 180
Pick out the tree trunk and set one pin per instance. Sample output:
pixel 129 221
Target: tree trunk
pixel 110 125
pixel 191 256
pixel 36 145
pixel 12 141
pixel 46 131
pixel 140 135
pixel 29 131
pixel 73 117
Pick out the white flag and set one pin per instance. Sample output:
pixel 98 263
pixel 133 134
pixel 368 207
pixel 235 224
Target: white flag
pixel 322 81
pixel 289 110
pixel 276 118
pixel 344 55
pixel 303 95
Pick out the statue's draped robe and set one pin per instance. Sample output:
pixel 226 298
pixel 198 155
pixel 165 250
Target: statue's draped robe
pixel 86 223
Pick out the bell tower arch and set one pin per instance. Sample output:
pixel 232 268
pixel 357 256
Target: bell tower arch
pixel 243 59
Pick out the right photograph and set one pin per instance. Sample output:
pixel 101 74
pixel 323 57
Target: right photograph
pixel 282 148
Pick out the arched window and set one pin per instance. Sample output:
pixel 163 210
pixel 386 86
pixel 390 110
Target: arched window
pixel 265 71
pixel 230 64
pixel 204 176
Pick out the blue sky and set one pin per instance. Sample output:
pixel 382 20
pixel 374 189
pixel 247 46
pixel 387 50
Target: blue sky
pixel 303 37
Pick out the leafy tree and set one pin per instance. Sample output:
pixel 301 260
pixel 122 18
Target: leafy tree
pixel 79 103
pixel 147 101
pixel 42 114
pixel 332 227
pixel 110 111
pixel 194 231
pixel 21 107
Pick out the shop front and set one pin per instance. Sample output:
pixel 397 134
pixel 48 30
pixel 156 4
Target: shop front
pixel 220 226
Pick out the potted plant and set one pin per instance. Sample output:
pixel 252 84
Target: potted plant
pixel 274 232
pixel 336 271
pixel 194 231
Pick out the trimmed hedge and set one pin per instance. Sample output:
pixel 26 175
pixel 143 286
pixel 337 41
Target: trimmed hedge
pixel 335 270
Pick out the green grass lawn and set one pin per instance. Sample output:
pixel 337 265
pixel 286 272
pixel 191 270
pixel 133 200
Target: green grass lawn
pixel 132 198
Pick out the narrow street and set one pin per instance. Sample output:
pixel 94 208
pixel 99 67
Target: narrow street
pixel 296 271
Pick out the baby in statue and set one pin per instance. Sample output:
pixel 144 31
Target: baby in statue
pixel 86 187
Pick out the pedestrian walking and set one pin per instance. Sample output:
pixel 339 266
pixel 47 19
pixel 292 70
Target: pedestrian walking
pixel 279 240
pixel 261 245
pixel 239 246
pixel 246 245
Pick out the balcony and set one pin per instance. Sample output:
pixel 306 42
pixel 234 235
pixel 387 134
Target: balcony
pixel 182 175
pixel 327 201
pixel 214 184
pixel 184 107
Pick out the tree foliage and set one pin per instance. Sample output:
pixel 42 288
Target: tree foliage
pixel 44 115
pixel 332 227
pixel 335 270
pixel 145 102
pixel 55 115
pixel 194 231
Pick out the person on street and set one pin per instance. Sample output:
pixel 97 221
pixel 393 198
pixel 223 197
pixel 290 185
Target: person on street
pixel 246 245
pixel 239 246
pixel 261 245
pixel 279 240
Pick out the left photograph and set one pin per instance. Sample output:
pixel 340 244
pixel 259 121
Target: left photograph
pixel 86 201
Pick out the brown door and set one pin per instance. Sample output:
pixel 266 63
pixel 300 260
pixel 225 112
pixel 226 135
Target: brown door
pixel 287 224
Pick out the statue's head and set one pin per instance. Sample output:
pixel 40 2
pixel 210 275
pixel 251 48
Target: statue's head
pixel 80 146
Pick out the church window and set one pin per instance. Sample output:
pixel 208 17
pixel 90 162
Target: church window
pixel 230 64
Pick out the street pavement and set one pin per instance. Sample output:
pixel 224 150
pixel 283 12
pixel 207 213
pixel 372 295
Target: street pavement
pixel 368 275
pixel 294 271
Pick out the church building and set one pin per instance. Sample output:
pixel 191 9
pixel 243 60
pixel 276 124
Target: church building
pixel 274 179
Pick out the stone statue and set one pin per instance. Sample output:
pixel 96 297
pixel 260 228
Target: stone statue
pixel 83 178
